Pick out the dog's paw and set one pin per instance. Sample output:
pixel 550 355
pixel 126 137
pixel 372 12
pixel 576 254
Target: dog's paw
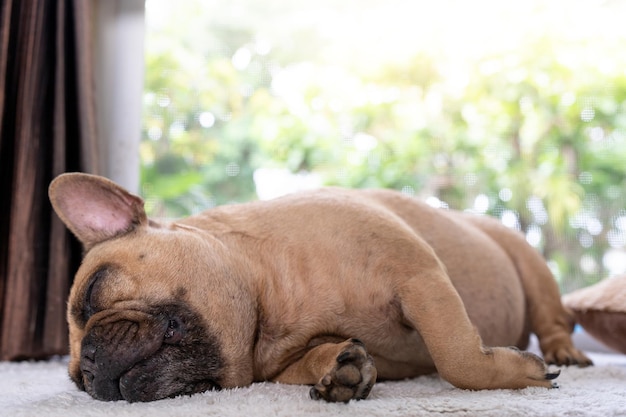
pixel 352 378
pixel 545 377
pixel 507 368
pixel 565 356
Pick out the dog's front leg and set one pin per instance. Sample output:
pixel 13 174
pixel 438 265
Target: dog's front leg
pixel 432 305
pixel 339 372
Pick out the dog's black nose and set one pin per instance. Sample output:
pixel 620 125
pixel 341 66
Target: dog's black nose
pixel 95 382
pixel 87 363
pixel 88 352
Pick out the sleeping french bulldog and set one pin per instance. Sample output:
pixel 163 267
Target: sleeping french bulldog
pixel 332 288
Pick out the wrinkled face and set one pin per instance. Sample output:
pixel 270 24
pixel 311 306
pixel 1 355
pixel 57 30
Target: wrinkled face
pixel 156 310
pixel 134 333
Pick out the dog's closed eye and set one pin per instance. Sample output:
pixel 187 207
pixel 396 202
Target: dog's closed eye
pixel 90 301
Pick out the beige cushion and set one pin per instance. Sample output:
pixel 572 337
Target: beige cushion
pixel 601 310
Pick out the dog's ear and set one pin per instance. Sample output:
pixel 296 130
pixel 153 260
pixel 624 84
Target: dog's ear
pixel 94 208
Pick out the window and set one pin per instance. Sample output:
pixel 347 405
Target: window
pixel 512 109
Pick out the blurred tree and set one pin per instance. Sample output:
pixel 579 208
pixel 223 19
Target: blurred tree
pixel 535 135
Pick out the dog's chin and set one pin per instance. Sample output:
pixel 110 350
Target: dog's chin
pixel 138 386
pixel 126 390
pixel 145 382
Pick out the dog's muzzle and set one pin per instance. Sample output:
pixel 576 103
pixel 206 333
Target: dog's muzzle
pixel 137 356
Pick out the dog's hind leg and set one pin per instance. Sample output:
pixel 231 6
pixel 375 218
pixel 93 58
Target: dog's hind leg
pixel 339 372
pixel 548 318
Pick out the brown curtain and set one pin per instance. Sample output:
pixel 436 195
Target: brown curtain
pixel 48 127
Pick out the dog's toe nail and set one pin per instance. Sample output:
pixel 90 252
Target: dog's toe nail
pixel 315 394
pixel 555 385
pixel 344 356
pixel 553 375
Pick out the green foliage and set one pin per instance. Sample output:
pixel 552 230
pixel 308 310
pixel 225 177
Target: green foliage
pixel 531 135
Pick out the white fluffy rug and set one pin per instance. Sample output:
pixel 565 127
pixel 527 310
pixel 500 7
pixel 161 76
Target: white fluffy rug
pixel 44 389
